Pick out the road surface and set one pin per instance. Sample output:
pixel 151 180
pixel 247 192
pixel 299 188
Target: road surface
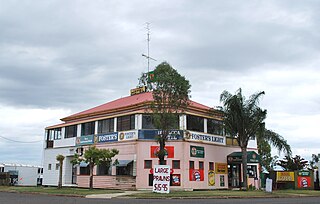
pixel 20 198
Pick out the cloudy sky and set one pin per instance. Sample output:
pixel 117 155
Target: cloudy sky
pixel 62 57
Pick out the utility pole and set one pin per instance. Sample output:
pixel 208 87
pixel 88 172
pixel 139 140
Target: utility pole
pixel 148 44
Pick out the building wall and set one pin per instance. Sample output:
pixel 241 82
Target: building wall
pixel 50 177
pixel 27 176
pixel 213 153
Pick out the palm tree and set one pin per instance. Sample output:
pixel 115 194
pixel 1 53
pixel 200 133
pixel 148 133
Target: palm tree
pixel 265 140
pixel 244 120
pixel 60 159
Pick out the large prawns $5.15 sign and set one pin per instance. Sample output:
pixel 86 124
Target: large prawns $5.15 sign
pixel 161 179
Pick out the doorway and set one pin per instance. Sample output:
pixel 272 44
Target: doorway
pixel 234 175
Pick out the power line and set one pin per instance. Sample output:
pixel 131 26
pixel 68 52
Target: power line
pixel 11 140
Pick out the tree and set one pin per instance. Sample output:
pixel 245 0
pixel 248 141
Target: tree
pixel 170 93
pixel 293 163
pixel 244 120
pixel 314 161
pixel 60 159
pixel 93 157
pixel 264 141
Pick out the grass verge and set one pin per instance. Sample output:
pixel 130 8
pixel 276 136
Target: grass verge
pixel 56 191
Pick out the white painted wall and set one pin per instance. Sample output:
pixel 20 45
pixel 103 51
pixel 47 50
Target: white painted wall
pixel 27 176
pixel 253 144
pixel 68 142
pixel 50 177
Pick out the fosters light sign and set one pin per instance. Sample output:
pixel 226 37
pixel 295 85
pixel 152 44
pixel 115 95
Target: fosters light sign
pixel 128 135
pixel 205 138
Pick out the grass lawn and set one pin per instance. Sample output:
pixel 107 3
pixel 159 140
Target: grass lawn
pixel 56 191
pixel 227 193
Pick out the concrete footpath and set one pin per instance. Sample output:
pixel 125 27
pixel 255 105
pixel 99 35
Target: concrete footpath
pixel 113 195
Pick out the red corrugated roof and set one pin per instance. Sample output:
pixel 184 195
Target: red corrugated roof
pixel 129 101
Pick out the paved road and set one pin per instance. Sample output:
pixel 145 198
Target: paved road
pixel 19 198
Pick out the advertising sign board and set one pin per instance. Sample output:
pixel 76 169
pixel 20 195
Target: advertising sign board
pixel 161 179
pixel 196 151
pixel 168 149
pixel 196 175
pixel 211 178
pixel 128 135
pixel 85 140
pixel 221 168
pixel 205 138
pixel 108 137
pixel 285 176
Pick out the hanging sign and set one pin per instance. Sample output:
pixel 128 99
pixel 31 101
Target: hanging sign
pixel 161 179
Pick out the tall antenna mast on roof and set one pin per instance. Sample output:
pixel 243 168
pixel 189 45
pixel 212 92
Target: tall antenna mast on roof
pixel 148 43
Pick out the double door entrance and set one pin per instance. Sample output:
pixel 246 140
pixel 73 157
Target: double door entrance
pixel 234 175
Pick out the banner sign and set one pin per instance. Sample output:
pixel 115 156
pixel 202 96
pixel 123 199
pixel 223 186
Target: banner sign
pixel 161 179
pixel 196 151
pixel 221 168
pixel 128 135
pixel 168 149
pixel 108 137
pixel 205 138
pixel 151 134
pixel 285 176
pixel 211 178
pixel 85 140
pixel 196 175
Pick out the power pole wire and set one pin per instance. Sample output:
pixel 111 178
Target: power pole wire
pixel 11 140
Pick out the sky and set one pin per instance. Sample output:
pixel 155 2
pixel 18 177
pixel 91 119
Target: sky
pixel 62 57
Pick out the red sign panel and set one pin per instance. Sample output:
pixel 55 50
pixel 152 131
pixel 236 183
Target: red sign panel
pixel 304 182
pixel 169 151
pixel 196 175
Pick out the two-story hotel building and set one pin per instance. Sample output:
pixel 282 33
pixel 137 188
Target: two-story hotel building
pixel 199 153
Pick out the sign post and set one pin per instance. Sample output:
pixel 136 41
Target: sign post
pixel 161 179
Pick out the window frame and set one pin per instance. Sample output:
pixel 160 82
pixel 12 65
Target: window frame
pixel 177 162
pixel 147 166
pixel 217 127
pixel 54 134
pixel 148 118
pixel 211 166
pixel 106 126
pixel 191 166
pixel 201 165
pixel 68 129
pixel 122 120
pixel 87 128
pixel 192 120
